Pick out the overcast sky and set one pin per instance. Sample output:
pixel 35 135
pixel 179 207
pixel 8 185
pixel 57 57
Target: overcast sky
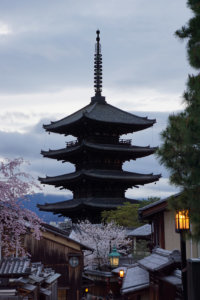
pixel 46 63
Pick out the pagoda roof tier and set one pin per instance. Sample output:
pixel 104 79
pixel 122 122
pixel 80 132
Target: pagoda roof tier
pixel 127 151
pixel 101 114
pixel 84 207
pixel 127 178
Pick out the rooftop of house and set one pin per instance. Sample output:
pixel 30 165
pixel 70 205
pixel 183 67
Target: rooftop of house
pixel 160 259
pixel 174 278
pixel 141 231
pixel 14 266
pixel 20 275
pixel 136 279
pixel 59 232
pixel 155 207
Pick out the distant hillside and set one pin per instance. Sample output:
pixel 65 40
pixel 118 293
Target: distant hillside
pixel 42 199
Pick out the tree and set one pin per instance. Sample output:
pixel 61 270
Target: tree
pixel 100 237
pixel 180 151
pixel 126 215
pixel 15 220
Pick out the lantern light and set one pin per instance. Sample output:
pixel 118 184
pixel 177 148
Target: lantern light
pixel 121 273
pixel 86 290
pixel 182 220
pixel 114 258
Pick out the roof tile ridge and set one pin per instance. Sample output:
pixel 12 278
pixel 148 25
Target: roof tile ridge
pixel 91 106
pixel 158 202
pixel 119 172
pixel 148 147
pixel 162 252
pixel 145 147
pixel 144 174
pixel 55 203
pixel 69 116
pixel 144 118
pixel 60 176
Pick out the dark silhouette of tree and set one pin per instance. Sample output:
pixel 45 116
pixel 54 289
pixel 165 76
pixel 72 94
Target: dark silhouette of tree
pixel 180 151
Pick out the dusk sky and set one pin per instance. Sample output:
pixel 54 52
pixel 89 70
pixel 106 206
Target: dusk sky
pixel 46 63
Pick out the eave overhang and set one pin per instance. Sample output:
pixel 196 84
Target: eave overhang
pixel 85 203
pixel 126 178
pixel 148 211
pixel 128 152
pixel 100 114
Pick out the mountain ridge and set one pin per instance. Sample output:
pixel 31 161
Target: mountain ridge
pixel 40 198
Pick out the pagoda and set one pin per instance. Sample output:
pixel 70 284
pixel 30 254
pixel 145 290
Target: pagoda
pixel 98 153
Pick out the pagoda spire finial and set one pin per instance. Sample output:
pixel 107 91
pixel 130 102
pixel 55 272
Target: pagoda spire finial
pixel 98 71
pixel 98 66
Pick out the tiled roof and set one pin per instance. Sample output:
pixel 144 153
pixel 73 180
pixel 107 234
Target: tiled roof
pixel 24 281
pixel 103 113
pixel 122 176
pixel 14 266
pixel 174 278
pixel 160 259
pixel 158 202
pixel 136 279
pixel 63 233
pixel 144 230
pixel 85 202
pixel 135 151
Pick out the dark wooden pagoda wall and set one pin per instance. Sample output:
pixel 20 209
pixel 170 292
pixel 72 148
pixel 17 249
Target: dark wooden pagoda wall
pixel 95 189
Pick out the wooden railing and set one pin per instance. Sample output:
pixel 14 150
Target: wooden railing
pixel 71 143
pixel 100 140
pixel 123 141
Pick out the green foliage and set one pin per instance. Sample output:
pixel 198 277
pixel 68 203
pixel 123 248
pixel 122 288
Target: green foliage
pixel 192 32
pixel 180 151
pixel 142 250
pixel 125 215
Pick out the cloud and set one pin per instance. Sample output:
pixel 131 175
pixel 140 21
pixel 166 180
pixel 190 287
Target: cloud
pixel 52 45
pixel 4 29
pixel 161 189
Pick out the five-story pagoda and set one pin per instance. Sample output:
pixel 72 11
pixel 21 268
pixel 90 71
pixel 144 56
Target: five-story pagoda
pixel 99 182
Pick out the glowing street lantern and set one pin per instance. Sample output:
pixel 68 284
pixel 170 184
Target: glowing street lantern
pixel 182 220
pixel 121 273
pixel 114 258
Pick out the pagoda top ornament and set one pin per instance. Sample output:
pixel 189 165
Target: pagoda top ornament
pixel 98 73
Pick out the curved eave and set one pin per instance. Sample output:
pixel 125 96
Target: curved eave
pixel 130 151
pixel 78 204
pixel 74 127
pixel 100 114
pixel 126 178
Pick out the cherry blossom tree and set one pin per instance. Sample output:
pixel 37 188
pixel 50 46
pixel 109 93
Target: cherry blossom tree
pixel 102 238
pixel 15 220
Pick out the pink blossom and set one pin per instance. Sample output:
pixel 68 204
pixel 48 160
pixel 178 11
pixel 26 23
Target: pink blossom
pixel 15 185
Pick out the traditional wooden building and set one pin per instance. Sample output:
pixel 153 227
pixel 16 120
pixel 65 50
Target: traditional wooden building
pixel 98 153
pixel 162 220
pixel 21 280
pixel 165 285
pixel 64 255
pixel 154 277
